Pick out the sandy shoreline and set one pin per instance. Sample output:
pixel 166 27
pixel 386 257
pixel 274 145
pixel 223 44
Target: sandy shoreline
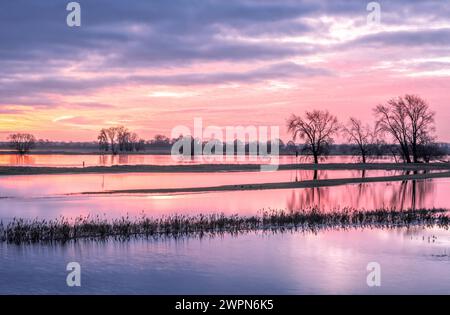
pixel 211 168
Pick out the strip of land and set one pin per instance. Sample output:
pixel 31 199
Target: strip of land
pixel 211 168
pixel 267 186
pixel 61 230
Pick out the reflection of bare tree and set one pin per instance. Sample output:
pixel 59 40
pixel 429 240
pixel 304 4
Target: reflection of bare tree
pixel 123 159
pixel 19 159
pixel 362 188
pixel 414 194
pixel 290 202
pixel 301 175
pixel 317 197
pixel 107 160
pixel 399 195
pixel 103 160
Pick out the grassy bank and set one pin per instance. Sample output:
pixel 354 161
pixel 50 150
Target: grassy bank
pixel 62 230
pixel 209 168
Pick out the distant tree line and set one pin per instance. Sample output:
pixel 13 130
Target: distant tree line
pixel 403 128
pixel 162 145
pixel 119 138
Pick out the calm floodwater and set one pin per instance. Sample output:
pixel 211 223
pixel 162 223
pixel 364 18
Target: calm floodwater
pixel 71 160
pixel 292 263
pixel 34 199
pixel 42 185
pixel 412 261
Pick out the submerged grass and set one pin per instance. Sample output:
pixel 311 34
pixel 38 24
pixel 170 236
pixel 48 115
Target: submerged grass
pixel 20 231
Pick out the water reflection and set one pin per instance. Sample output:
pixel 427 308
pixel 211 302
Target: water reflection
pixel 41 185
pixel 330 262
pixel 411 194
pixel 399 195
pixel 17 159
pixel 77 160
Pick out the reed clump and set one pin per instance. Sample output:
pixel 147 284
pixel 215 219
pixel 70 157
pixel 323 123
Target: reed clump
pixel 62 229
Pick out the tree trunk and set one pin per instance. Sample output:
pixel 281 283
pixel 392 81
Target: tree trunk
pixel 113 149
pixel 316 158
pixel 414 152
pixel 406 153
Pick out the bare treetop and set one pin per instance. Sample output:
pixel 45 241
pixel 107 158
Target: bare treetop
pixel 361 135
pixel 316 128
pixel 22 142
pixel 409 121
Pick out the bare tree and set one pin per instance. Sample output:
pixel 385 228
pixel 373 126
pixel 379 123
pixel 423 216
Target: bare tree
pixel 120 139
pixel 102 138
pixel 161 140
pixel 391 120
pixel 112 133
pixel 409 121
pixel 22 142
pixel 123 138
pixel 421 123
pixel 133 141
pixel 317 129
pixel 361 135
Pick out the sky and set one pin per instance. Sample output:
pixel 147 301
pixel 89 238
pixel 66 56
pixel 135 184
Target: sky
pixel 154 65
